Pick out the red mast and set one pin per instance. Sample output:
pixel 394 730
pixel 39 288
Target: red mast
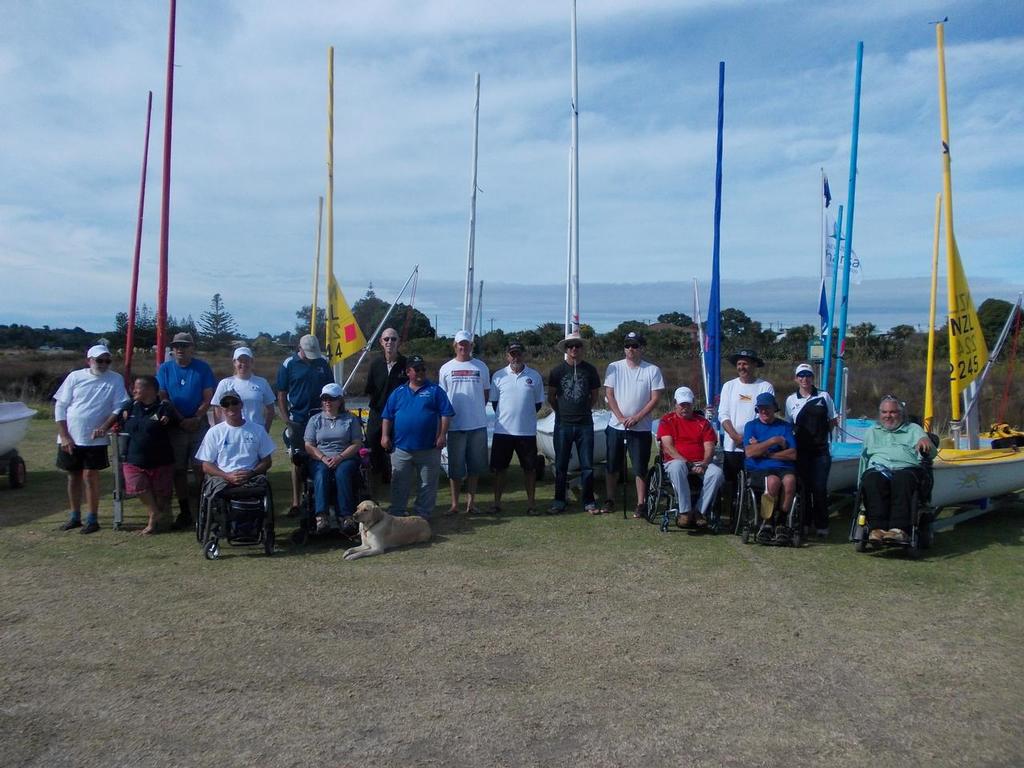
pixel 129 340
pixel 165 200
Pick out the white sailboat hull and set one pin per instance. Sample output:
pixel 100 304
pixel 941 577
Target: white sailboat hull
pixel 963 476
pixel 546 439
pixel 14 418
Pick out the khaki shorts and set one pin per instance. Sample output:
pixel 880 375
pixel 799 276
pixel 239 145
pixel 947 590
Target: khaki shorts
pixel 186 445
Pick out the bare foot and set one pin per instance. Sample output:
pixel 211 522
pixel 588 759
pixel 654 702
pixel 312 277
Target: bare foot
pixel 452 511
pixel 149 530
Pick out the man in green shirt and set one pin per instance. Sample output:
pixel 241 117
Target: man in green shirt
pixel 890 470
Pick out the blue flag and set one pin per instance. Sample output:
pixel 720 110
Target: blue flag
pixel 823 312
pixel 827 191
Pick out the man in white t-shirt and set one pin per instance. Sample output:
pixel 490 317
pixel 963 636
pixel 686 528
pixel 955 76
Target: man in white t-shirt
pixel 736 408
pixel 257 397
pixel 517 392
pixel 233 452
pixel 467 383
pixel 632 387
pixel 84 401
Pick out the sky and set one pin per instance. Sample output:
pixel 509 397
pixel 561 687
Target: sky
pixel 249 153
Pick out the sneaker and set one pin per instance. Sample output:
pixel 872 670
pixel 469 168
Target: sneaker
pixel 321 523
pixel 781 538
pixel 684 520
pixel 557 509
pixel 701 521
pixel 876 536
pixel 73 522
pixel 90 527
pixel 765 535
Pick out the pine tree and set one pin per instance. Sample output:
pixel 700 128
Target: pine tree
pixel 216 325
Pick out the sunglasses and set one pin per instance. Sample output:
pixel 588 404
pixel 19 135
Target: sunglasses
pixel 230 403
pixel 389 338
pixel 328 397
pixel 103 361
pixel 632 346
pixel 574 346
pixel 180 346
pixel 805 375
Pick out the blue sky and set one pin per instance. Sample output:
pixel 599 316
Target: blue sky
pixel 249 149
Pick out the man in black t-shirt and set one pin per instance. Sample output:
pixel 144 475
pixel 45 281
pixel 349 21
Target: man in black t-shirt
pixel 387 373
pixel 572 393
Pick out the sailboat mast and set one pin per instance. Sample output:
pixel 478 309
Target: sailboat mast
pixel 574 256
pixel 129 338
pixel 848 248
pixel 713 353
pixel 568 255
pixel 165 196
pixel 467 304
pixel 316 265
pixel 929 395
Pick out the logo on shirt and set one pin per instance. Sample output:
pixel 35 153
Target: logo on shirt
pixel 466 373
pixel 746 399
pixel 529 381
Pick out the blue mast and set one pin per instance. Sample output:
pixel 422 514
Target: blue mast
pixel 713 349
pixel 851 193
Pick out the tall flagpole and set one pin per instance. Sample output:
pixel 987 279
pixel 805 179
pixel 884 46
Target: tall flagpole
pixel 338 367
pixel 467 301
pixel 847 250
pixel 713 353
pixel 316 265
pixel 129 339
pixel 165 197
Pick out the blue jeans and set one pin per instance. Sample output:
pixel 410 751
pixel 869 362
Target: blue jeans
pixel 566 436
pixel 343 477
pixel 813 473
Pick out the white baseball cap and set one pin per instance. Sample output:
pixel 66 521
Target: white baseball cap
pixel 310 347
pixel 96 350
pixel 242 351
pixel 803 368
pixel 684 395
pixel 461 336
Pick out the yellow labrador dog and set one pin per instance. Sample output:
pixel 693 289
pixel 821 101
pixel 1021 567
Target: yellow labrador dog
pixel 381 531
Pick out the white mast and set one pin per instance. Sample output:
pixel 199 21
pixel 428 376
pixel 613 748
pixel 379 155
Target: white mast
pixel 467 305
pixel 574 227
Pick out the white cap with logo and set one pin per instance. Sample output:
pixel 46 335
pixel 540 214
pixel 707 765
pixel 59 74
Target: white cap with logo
pixel 684 395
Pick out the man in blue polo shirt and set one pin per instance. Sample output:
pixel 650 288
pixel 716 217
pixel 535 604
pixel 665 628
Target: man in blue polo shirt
pixel 414 427
pixel 300 379
pixel 187 382
pixel 770 448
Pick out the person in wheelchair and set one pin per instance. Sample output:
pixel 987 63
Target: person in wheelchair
pixel 234 453
pixel 687 448
pixel 333 438
pixel 770 448
pixel 890 471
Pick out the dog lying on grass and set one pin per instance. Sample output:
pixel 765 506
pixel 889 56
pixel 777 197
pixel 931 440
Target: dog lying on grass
pixel 381 531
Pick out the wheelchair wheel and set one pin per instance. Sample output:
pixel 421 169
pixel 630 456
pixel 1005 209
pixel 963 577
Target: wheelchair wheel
pixel 926 535
pixel 747 516
pixel 655 491
pixel 268 542
pixel 212 549
pixel 201 516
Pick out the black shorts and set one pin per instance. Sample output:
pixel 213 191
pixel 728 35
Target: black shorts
pixel 637 443
pixel 502 446
pixel 756 477
pixel 83 457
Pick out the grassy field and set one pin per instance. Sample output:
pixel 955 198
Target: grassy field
pixel 507 640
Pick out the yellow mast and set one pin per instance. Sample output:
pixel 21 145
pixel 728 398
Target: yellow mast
pixel 929 395
pixel 316 265
pixel 947 187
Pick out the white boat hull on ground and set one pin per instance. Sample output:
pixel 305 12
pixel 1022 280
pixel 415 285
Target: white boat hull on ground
pixel 14 419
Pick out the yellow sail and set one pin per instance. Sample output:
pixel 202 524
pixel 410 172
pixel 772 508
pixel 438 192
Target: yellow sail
pixel 344 336
pixel 966 341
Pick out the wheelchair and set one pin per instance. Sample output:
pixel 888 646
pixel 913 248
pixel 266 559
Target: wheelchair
pixel 662 505
pixel 347 528
pixel 240 515
pixel 750 516
pixel 922 517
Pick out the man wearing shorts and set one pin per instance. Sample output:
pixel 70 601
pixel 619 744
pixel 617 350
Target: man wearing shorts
pixel 517 392
pixel 84 401
pixel 148 467
pixel 632 387
pixel 467 383
pixel 187 382
pixel 770 448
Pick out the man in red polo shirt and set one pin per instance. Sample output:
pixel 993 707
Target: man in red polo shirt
pixel 687 448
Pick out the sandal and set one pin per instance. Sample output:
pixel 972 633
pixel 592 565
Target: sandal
pixel 640 513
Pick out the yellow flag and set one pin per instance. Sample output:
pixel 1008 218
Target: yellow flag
pixel 344 337
pixel 967 351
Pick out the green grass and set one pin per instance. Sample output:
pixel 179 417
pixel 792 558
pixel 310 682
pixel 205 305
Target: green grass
pixel 507 640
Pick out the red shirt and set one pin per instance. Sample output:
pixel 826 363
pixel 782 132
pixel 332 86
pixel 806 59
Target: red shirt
pixel 688 435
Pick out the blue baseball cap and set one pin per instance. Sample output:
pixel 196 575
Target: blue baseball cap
pixel 765 399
